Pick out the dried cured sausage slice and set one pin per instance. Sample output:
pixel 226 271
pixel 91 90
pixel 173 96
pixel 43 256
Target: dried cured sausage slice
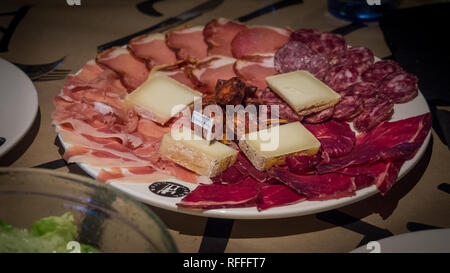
pixel 341 76
pixel 377 71
pixel 399 86
pixel 359 57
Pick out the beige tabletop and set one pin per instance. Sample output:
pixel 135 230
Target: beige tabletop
pixel 52 29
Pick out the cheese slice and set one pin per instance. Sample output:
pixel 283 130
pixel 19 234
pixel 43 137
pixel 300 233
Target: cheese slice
pixel 303 92
pixel 269 147
pixel 160 98
pixel 195 153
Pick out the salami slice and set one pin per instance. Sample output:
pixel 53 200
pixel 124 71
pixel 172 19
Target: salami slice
pixel 331 46
pixel 359 57
pixel 377 71
pixel 399 86
pixel 348 108
pixel 296 55
pixel 375 112
pixel 341 76
pixel 320 117
pixel 364 90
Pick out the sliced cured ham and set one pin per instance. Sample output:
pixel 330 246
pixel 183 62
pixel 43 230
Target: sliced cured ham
pixel 316 187
pixel 277 195
pixel 303 164
pixel 179 72
pixel 210 196
pixel 258 39
pixel 253 69
pixel 133 72
pixel 153 49
pixel 218 35
pixel 336 138
pixel 187 43
pixel 211 69
pixel 385 137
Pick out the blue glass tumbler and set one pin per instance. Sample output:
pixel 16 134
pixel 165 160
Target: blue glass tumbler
pixel 360 10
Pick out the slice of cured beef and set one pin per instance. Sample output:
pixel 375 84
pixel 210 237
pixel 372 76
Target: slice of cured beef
pixel 376 110
pixel 153 49
pixel 211 196
pixel 377 71
pixel 295 55
pixel 258 39
pixel 303 164
pixel 331 46
pixel 276 195
pixel 317 186
pixel 384 139
pixel 253 69
pixel 133 72
pixel 218 35
pixel 399 86
pixel 187 42
pixel 336 138
pixel 359 57
pixel 341 76
pixel 208 71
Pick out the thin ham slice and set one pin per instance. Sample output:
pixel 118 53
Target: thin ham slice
pixel 187 43
pixel 211 196
pixel 180 72
pixel 153 49
pixel 133 71
pixel 218 35
pixel 253 69
pixel 259 39
pixel 382 140
pixel 276 195
pixel 211 69
pixel 318 186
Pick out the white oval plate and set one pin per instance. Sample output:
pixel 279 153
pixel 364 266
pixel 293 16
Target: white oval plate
pixel 18 104
pixel 427 241
pixel 141 191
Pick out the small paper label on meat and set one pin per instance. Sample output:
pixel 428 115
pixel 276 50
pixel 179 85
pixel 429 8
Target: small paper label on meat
pixel 169 189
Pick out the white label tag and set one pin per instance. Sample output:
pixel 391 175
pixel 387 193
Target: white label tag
pixel 204 122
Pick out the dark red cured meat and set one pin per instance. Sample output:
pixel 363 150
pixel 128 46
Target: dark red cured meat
pixel 244 166
pixel 318 186
pixel 268 97
pixel 229 176
pixel 296 55
pixel 319 117
pixel 359 57
pixel 253 69
pixel 377 71
pixel 218 35
pixel 336 138
pixel 388 135
pixel 302 164
pixel 210 196
pixel 187 43
pixel 341 76
pixel 348 108
pixel 375 112
pixel 362 89
pixel 399 86
pixel 331 46
pixel 133 72
pixel 276 195
pixel 258 39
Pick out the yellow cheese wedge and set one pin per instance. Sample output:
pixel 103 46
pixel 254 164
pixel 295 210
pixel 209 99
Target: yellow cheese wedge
pixel 160 98
pixel 269 147
pixel 303 92
pixel 195 153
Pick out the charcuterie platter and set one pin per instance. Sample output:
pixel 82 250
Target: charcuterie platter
pixel 347 124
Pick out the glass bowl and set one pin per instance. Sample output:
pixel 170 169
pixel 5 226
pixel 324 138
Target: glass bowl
pixel 106 218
